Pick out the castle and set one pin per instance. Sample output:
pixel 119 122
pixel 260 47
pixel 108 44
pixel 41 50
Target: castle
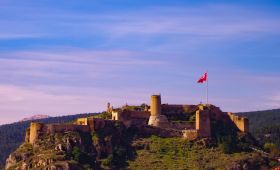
pixel 161 116
pixel 187 121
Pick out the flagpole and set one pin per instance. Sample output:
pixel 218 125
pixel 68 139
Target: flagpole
pixel 207 87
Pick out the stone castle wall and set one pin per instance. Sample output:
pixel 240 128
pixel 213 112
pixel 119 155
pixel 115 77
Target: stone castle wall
pixel 82 121
pixel 61 128
pixel 35 131
pixel 116 115
pixel 242 123
pixel 174 109
pixel 82 125
pixel 182 125
pixel 93 123
pixel 190 130
pixel 203 125
pixel 190 134
pixel 131 118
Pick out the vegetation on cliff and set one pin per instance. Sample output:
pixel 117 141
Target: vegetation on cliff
pixel 176 153
pixel 263 125
pixel 107 148
pixel 118 147
pixel 12 135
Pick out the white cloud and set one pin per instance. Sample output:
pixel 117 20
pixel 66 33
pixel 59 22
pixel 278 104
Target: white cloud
pixel 208 21
pixel 72 64
pixel 17 102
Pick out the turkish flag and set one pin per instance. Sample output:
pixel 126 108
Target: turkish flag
pixel 203 78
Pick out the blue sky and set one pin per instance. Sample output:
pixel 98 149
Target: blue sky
pixel 66 57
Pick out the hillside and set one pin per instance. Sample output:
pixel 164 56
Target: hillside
pixel 260 119
pixel 173 153
pixel 12 135
pixel 140 153
pixel 265 125
pixel 116 147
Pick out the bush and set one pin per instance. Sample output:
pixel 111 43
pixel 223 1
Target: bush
pixel 76 154
pixel 108 162
pixel 273 163
pixel 227 145
pixel 104 115
pixel 272 149
pixel 80 156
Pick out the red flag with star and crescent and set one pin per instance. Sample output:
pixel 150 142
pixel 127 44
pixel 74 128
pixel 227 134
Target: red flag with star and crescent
pixel 203 78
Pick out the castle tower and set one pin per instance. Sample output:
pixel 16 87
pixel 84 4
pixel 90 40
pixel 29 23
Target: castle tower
pixel 155 105
pixel 156 118
pixel 203 125
pixel 34 133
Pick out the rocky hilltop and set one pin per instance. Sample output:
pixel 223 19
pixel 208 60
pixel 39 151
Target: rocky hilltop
pixel 116 147
pixel 70 149
pixel 158 136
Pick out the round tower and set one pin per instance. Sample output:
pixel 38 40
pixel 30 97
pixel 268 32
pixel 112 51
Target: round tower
pixel 155 105
pixel 156 118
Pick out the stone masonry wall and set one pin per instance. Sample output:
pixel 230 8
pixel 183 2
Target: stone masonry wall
pixel 190 134
pixel 242 123
pixel 203 125
pixel 35 131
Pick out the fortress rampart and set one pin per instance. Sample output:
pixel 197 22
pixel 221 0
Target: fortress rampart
pixel 242 123
pixel 159 115
pixel 36 130
pixel 154 120
pixel 60 128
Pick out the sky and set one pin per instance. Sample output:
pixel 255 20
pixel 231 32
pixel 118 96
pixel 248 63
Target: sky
pixel 68 57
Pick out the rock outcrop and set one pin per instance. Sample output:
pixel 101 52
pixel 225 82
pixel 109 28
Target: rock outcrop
pixel 69 150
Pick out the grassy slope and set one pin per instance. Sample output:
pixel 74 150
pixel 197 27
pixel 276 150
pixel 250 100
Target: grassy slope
pixel 174 153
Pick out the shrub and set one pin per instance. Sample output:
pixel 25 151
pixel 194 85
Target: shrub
pixel 272 149
pixel 76 154
pixel 81 157
pixel 108 161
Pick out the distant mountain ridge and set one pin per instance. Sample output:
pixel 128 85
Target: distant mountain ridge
pixel 35 117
